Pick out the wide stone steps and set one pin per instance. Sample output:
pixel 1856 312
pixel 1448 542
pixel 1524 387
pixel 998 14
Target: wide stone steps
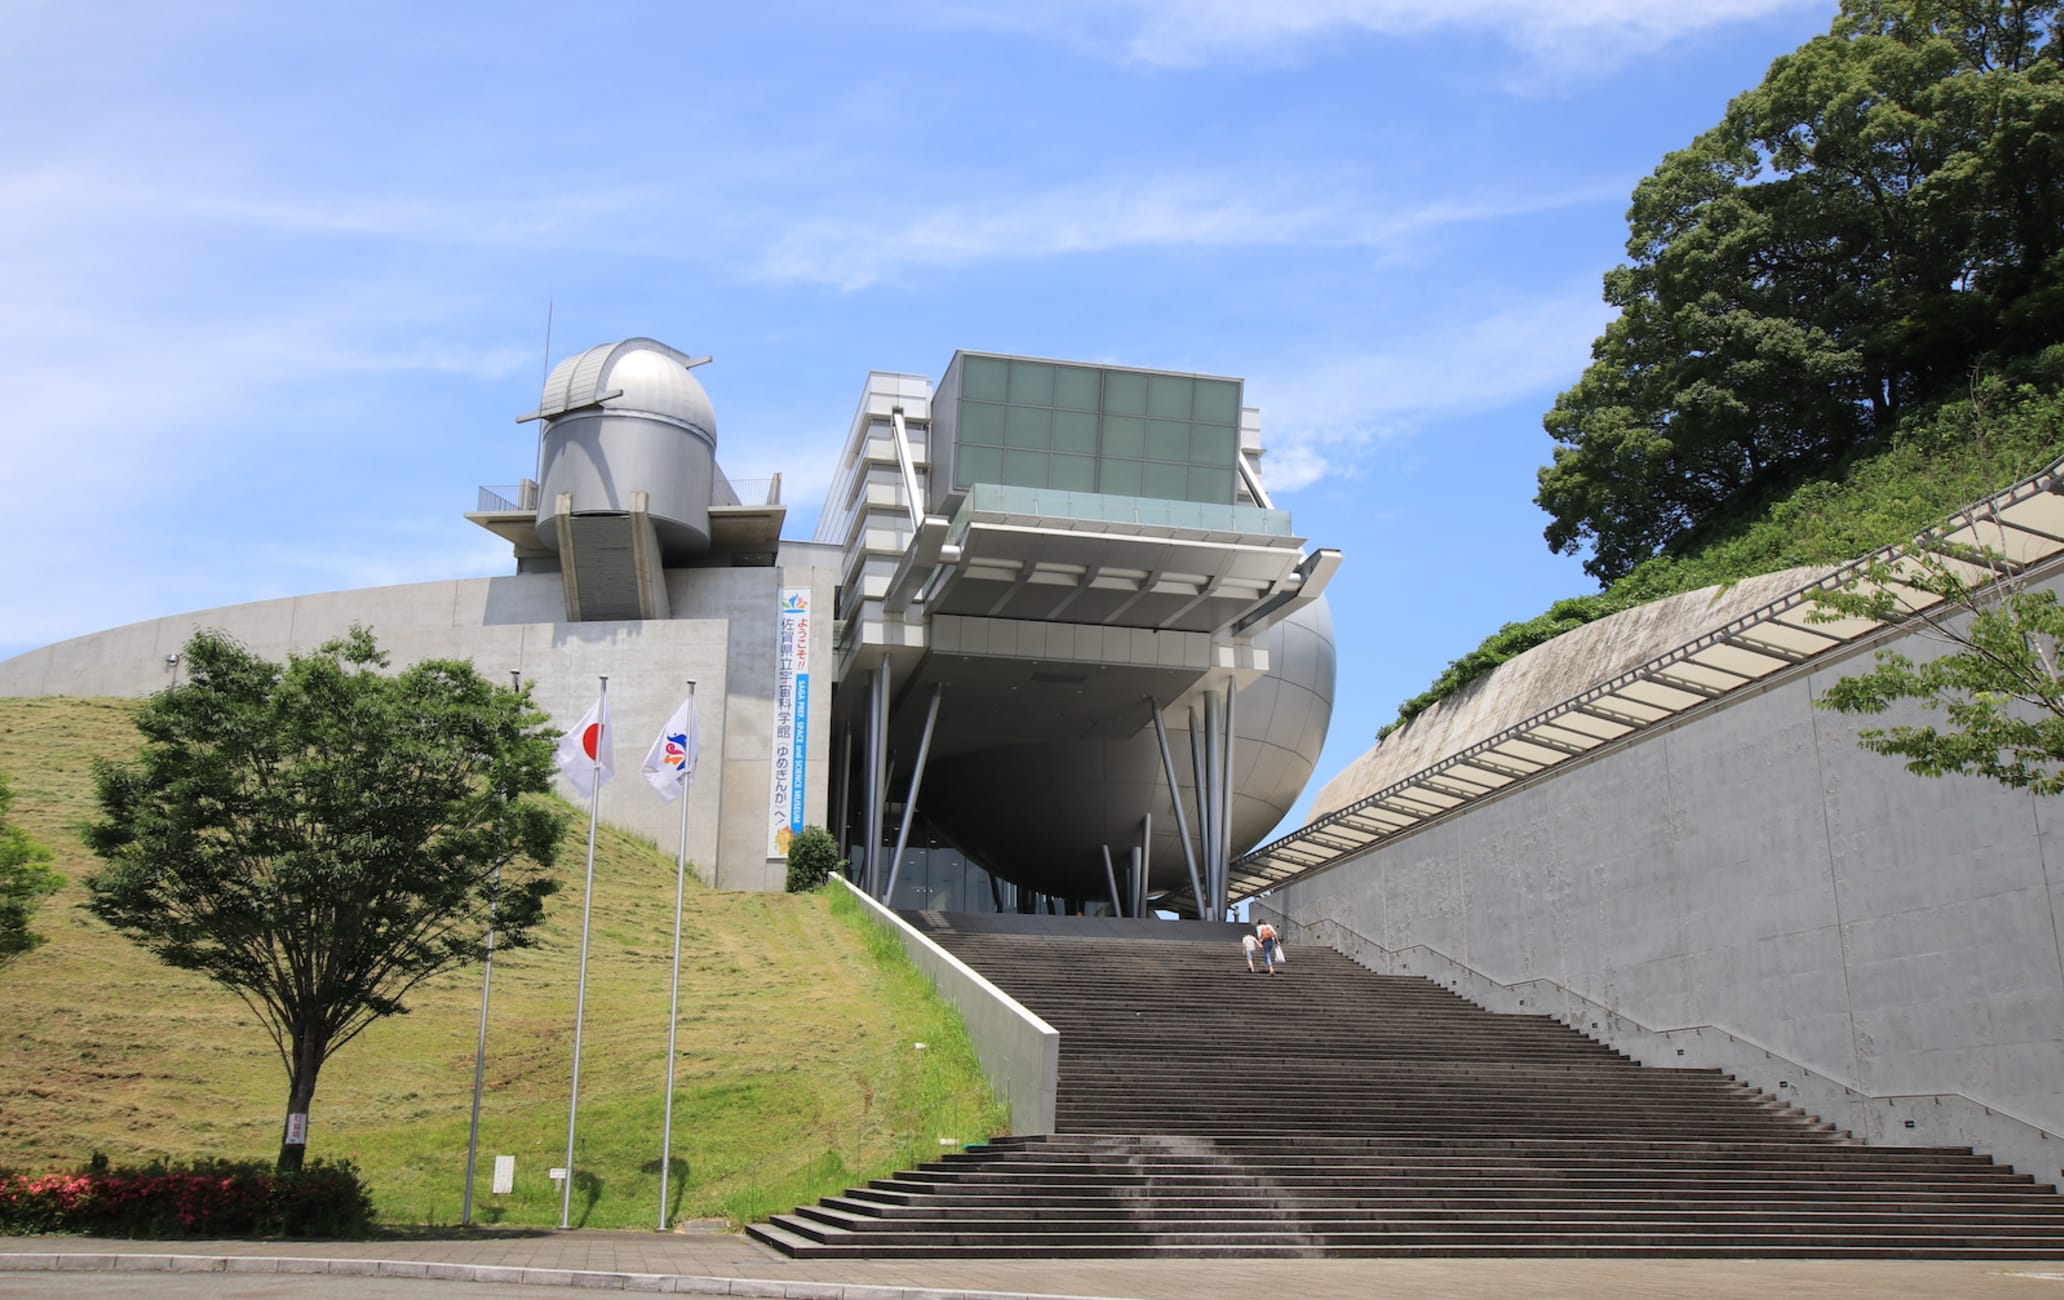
pixel 1331 1112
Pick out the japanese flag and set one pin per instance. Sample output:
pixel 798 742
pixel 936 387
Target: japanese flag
pixel 670 764
pixel 585 751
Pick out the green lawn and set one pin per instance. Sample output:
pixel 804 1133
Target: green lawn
pixel 798 1073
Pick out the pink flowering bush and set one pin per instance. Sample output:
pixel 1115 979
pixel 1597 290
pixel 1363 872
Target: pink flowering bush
pixel 211 1199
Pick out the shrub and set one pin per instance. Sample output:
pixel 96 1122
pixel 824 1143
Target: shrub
pixel 218 1198
pixel 812 857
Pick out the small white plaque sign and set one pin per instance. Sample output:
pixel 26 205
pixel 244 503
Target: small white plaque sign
pixel 504 1175
pixel 297 1129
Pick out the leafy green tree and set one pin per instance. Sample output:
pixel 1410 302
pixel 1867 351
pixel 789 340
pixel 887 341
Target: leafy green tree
pixel 1883 211
pixel 321 837
pixel 812 857
pixel 25 877
pixel 1999 688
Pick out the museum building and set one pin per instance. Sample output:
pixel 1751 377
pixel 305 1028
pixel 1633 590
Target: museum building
pixel 1052 646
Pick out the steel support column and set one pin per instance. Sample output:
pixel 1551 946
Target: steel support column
pixel 1182 823
pixel 877 775
pixel 924 747
pixel 842 826
pixel 1146 861
pixel 1214 769
pixel 1206 857
pixel 1225 871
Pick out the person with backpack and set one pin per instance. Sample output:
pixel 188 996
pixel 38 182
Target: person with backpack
pixel 1268 941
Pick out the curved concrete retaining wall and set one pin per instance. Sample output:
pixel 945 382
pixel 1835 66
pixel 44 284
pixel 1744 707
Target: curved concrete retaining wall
pixel 723 639
pixel 1749 886
pixel 1020 1053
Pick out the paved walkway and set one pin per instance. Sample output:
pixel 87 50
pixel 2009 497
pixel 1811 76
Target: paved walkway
pixel 724 1264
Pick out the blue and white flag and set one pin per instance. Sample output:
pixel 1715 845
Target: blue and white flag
pixel 670 765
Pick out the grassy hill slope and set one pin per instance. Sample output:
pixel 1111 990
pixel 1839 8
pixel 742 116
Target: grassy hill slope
pixel 797 1074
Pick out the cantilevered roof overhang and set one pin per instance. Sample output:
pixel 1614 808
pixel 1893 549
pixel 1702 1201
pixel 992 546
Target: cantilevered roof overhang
pixel 1081 557
pixel 2019 529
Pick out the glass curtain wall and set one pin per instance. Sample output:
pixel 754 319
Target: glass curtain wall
pixel 1043 424
pixel 937 877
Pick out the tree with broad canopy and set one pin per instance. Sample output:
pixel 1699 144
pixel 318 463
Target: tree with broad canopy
pixel 323 836
pixel 1882 213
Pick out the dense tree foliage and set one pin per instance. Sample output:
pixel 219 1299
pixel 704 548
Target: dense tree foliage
pixel 25 877
pixel 1883 213
pixel 322 837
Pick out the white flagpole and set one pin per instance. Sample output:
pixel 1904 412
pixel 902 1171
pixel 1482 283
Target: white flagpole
pixel 580 996
pixel 666 1128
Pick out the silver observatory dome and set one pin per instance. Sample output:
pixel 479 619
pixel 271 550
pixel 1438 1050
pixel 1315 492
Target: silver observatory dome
pixel 622 419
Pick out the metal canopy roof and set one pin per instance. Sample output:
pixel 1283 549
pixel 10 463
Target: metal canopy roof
pixel 2022 526
pixel 1114 561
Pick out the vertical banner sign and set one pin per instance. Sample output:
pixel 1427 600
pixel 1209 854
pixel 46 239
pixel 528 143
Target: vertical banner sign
pixel 791 721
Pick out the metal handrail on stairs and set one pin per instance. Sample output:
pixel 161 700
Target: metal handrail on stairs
pixel 2022 1142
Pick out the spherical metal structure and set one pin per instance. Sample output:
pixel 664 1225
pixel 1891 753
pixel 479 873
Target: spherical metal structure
pixel 1038 814
pixel 624 418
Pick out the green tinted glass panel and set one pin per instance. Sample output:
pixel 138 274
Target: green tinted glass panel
pixel 1075 388
pixel 1168 397
pixel 1169 481
pixel 1025 468
pixel 1211 444
pixel 984 378
pixel 1075 473
pixel 1074 431
pixel 974 465
pixel 1125 435
pixel 1211 485
pixel 981 422
pixel 1218 401
pixel 1032 383
pixel 1167 440
pixel 1124 393
pixel 1028 426
pixel 1120 478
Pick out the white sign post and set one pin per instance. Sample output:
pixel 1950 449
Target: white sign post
pixel 504 1175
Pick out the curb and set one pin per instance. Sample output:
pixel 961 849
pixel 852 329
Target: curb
pixel 672 1283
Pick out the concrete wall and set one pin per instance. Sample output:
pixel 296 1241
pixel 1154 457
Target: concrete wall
pixel 724 640
pixel 1020 1053
pixel 1752 870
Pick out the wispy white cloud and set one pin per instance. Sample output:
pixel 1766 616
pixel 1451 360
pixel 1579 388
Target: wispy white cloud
pixel 1186 33
pixel 112 192
pixel 1318 419
pixel 1170 211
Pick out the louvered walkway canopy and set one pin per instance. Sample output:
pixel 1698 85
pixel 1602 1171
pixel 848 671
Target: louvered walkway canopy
pixel 2018 529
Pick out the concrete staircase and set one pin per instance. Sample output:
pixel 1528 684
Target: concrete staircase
pixel 1328 1111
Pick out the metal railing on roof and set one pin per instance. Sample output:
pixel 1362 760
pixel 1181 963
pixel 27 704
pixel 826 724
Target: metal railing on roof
pixel 1119 513
pixel 507 498
pixel 2020 528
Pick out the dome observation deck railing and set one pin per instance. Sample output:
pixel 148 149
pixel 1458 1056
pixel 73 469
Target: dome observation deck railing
pixel 507 498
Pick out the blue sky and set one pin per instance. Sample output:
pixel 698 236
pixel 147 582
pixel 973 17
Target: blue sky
pixel 276 275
